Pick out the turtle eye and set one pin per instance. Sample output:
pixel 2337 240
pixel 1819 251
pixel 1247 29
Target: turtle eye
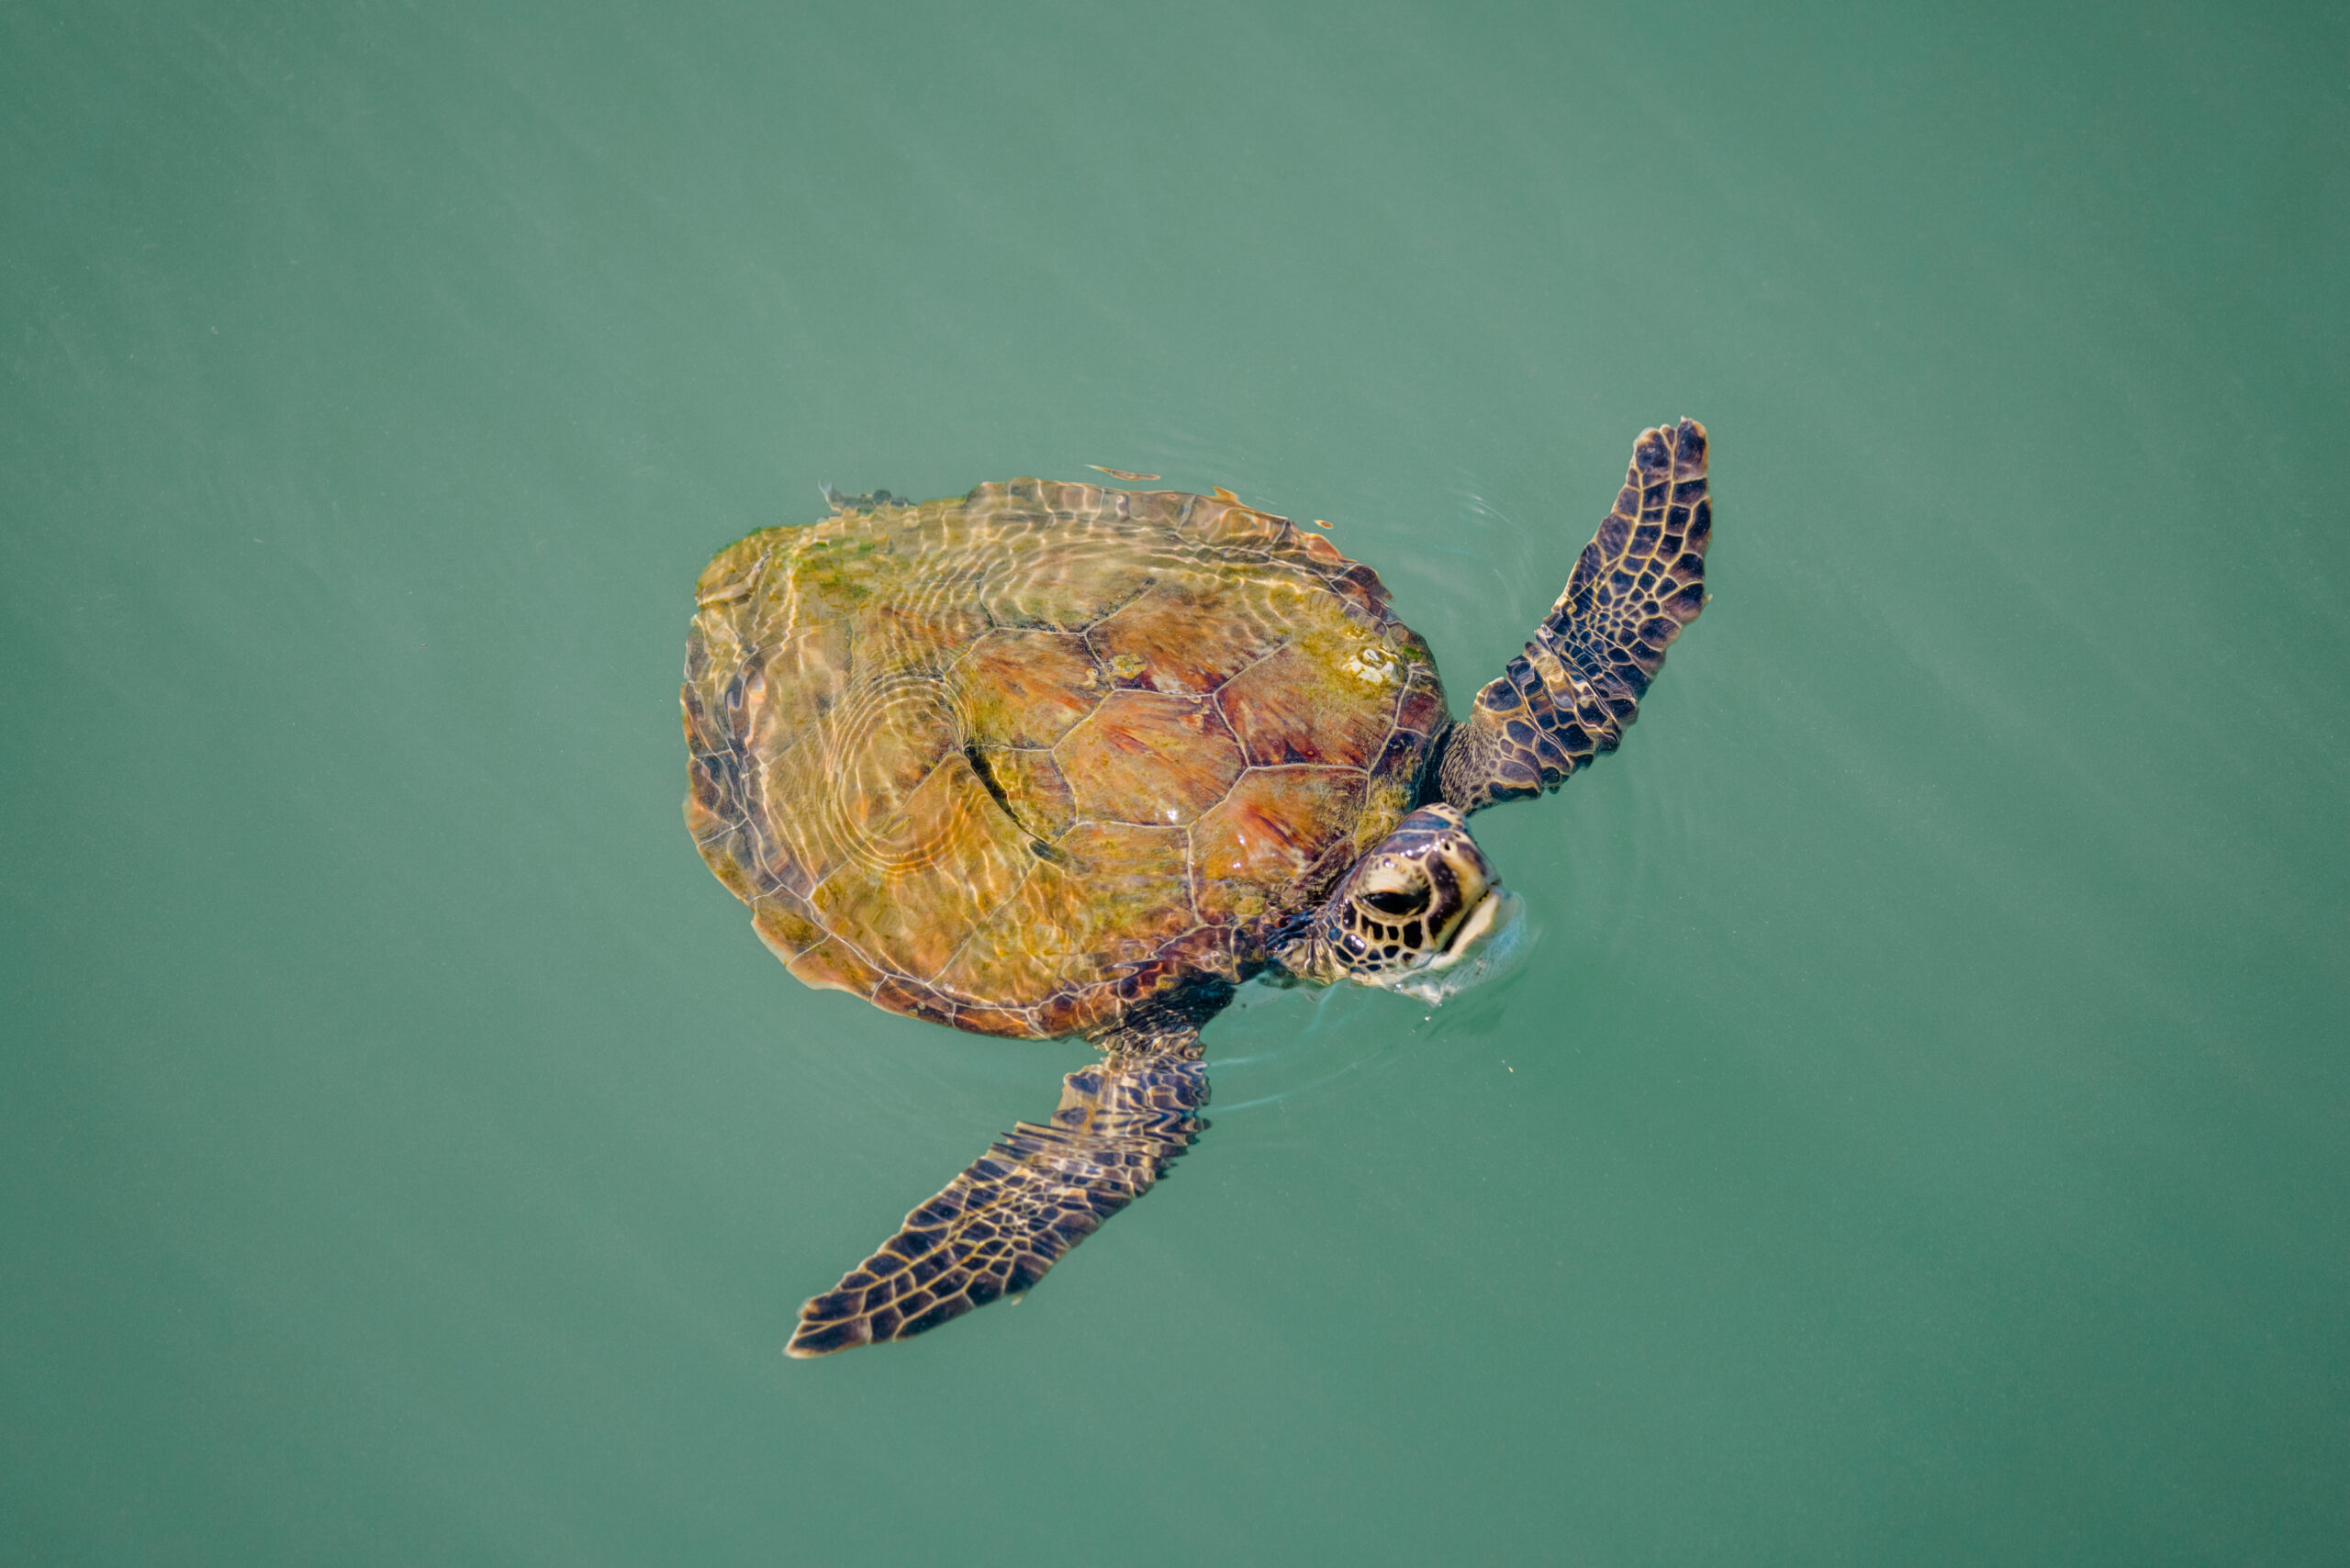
pixel 1398 901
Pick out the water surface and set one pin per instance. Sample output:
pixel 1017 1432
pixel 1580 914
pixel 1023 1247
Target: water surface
pixel 1917 1132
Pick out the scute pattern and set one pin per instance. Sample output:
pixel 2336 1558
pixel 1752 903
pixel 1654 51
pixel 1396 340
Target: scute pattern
pixel 1173 639
pixel 1276 829
pixel 1301 704
pixel 1142 756
pixel 1028 688
pixel 1026 761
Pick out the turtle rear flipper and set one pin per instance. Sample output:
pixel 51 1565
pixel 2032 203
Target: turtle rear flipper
pixel 841 501
pixel 1577 687
pixel 1038 1191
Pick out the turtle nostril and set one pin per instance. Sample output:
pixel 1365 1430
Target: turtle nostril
pixel 1398 902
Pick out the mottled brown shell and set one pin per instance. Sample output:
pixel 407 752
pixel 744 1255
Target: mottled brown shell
pixel 1018 761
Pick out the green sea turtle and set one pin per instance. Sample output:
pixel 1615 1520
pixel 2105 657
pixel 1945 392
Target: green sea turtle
pixel 1055 759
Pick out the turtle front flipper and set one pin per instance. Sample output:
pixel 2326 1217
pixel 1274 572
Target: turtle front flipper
pixel 1577 687
pixel 1036 1192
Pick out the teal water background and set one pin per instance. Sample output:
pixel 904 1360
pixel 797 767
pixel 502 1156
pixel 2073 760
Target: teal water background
pixel 1920 1131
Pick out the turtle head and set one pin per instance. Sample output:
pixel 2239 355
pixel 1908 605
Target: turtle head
pixel 1413 912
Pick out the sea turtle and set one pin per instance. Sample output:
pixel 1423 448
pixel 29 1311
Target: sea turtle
pixel 1055 759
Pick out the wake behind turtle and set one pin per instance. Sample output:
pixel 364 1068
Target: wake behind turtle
pixel 1060 760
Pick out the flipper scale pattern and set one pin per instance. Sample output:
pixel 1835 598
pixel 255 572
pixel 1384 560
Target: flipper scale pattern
pixel 1038 1191
pixel 1577 687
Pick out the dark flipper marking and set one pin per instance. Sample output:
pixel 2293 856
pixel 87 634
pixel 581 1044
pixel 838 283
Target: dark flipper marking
pixel 1036 1192
pixel 1571 695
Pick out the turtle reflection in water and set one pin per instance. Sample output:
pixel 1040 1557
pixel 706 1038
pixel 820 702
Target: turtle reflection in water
pixel 1057 759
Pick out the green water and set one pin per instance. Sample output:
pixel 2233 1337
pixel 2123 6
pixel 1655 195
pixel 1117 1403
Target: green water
pixel 1921 1132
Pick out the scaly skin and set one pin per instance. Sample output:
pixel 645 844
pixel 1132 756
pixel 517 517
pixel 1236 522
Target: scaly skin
pixel 1038 1191
pixel 1055 759
pixel 1577 688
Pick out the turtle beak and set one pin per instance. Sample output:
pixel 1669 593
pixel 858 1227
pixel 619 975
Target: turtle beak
pixel 1465 883
pixel 1498 907
pixel 1480 948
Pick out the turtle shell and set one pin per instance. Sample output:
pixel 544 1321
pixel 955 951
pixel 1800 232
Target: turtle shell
pixel 1020 761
